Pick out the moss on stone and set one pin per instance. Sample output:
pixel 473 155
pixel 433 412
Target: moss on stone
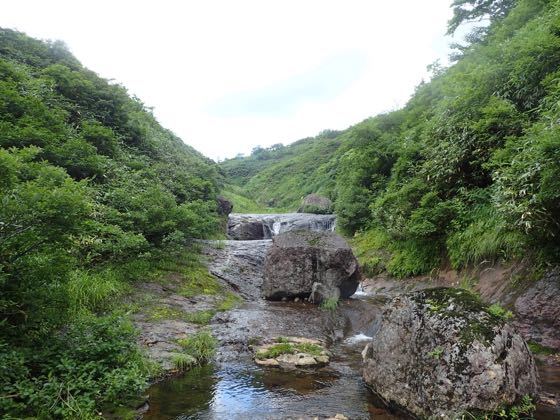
pixel 480 320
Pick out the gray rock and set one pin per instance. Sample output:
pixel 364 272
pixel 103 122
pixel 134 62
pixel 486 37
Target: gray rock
pixel 321 292
pixel 225 206
pixel 439 353
pixel 538 310
pixel 296 260
pixel 247 231
pixel 315 203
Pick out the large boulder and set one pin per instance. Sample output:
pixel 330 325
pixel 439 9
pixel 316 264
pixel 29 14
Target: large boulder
pixel 441 353
pixel 299 259
pixel 250 230
pixel 314 203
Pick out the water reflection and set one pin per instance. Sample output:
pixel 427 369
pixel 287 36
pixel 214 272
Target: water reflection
pixel 245 391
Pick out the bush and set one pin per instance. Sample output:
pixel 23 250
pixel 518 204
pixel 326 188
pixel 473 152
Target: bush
pixel 93 362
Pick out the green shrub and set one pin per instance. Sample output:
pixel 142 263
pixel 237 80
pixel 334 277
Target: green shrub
pixel 95 361
pixel 329 304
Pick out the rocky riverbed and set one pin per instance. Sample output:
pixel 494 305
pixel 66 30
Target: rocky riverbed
pixel 234 386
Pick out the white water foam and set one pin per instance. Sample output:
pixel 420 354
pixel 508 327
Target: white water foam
pixel 359 291
pixel 358 338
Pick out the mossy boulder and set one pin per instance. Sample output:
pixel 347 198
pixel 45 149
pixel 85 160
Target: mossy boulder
pixel 441 353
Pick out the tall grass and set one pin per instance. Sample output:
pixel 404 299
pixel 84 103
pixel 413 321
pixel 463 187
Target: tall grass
pixel 94 291
pixel 486 238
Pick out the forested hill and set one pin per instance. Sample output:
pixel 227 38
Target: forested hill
pixel 92 191
pixel 278 176
pixel 467 171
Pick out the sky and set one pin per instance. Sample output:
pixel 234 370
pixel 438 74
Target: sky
pixel 227 76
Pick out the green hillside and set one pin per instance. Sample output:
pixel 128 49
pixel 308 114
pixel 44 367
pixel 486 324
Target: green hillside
pixel 278 177
pixel 467 171
pixel 94 194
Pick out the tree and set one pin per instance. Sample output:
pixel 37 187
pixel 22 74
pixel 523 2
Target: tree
pixel 470 10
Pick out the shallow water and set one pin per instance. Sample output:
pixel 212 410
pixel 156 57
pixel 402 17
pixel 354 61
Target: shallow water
pixel 245 391
pixel 236 388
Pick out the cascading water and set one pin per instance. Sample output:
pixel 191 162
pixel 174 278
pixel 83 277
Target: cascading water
pixel 266 226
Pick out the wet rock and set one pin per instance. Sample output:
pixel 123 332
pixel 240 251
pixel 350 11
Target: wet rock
pixel 538 310
pixel 439 353
pixel 321 292
pixel 317 204
pixel 240 264
pixel 296 260
pixel 225 207
pixel 247 231
pixel 266 226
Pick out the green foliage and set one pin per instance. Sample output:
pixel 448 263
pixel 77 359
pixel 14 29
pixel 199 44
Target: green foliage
pixel 92 191
pixel 466 172
pixel 230 301
pixel 93 362
pixel 329 304
pixel 498 311
pixel 94 291
pixel 287 347
pixel 523 409
pixel 278 177
pixel 436 353
pixel 537 348
pixel 183 361
pixel 201 346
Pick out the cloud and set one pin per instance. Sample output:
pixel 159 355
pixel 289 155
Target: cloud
pixel 322 83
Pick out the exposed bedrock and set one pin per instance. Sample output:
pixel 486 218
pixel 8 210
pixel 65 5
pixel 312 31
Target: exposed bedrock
pixel 440 353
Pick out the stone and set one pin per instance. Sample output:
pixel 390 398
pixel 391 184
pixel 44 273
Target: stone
pixel 225 207
pixel 267 362
pixel 248 231
pixel 317 204
pixel 298 259
pixel 440 353
pixel 292 352
pixel 321 292
pixel 538 310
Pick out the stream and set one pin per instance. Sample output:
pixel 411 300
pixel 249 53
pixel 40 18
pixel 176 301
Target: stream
pixel 234 387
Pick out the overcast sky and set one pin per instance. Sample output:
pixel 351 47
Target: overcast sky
pixel 228 75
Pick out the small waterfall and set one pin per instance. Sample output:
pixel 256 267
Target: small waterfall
pixel 360 291
pixel 274 224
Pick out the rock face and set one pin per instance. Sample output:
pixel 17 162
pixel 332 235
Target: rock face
pixel 225 207
pixel 439 353
pixel 266 226
pixel 538 308
pixel 314 203
pixel 299 259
